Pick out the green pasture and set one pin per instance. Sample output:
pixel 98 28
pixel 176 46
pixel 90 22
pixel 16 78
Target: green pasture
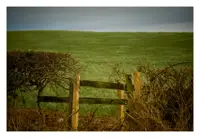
pixel 98 52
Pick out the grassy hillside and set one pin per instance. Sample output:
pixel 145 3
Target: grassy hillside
pixel 97 52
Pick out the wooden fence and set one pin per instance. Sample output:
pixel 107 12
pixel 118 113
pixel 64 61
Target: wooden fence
pixel 132 87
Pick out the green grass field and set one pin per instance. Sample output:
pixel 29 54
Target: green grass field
pixel 98 51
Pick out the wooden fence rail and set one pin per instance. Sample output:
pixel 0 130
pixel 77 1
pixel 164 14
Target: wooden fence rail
pixel 132 87
pixel 99 84
pixel 84 100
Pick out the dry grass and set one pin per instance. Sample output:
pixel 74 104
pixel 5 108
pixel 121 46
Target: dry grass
pixel 31 120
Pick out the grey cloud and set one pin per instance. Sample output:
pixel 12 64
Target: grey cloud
pixel 84 18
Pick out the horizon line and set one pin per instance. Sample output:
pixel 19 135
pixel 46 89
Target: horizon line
pixel 25 30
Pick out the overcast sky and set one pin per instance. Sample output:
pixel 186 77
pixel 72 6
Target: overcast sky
pixel 131 19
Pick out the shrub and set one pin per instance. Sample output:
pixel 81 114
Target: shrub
pixel 27 71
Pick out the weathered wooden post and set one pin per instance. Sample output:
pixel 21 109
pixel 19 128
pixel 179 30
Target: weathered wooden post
pixel 130 95
pixel 130 91
pixel 130 87
pixel 133 85
pixel 137 84
pixel 121 107
pixel 74 103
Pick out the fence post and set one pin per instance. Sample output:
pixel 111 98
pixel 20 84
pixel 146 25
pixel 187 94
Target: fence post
pixel 133 85
pixel 130 87
pixel 137 84
pixel 74 103
pixel 121 107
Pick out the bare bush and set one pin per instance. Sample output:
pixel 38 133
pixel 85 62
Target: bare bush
pixel 166 103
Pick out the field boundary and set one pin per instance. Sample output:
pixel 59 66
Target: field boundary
pixel 131 88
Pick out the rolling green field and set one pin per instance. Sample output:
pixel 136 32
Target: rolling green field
pixel 98 51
